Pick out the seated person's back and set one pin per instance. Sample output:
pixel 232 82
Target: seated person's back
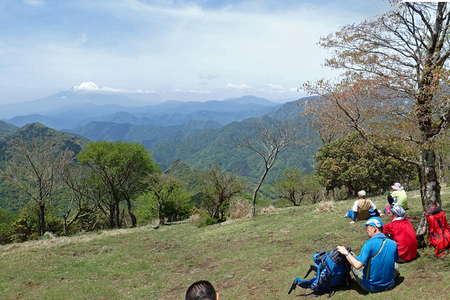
pixel 402 232
pixel 399 195
pixel 362 207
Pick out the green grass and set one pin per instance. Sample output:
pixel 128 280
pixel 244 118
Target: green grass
pixel 245 259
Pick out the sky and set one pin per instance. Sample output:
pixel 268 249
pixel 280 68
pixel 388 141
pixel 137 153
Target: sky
pixel 172 49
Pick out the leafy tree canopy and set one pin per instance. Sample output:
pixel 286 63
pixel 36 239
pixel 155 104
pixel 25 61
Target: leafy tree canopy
pixel 352 163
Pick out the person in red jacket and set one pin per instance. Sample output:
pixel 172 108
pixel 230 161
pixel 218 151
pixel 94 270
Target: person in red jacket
pixel 402 232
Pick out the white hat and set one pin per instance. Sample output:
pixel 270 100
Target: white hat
pixel 397 187
pixel 362 193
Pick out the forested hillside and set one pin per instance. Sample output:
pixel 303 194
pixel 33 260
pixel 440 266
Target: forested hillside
pixel 205 143
pixel 29 134
pixel 6 128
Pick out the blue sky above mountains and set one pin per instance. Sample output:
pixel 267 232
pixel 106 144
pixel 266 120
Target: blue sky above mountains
pixel 189 50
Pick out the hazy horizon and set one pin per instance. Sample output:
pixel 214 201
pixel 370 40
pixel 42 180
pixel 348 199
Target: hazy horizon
pixel 194 50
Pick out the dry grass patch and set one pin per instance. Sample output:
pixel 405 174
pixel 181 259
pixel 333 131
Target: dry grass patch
pixel 325 206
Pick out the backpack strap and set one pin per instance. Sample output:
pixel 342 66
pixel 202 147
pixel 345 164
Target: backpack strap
pixel 370 259
pixel 311 268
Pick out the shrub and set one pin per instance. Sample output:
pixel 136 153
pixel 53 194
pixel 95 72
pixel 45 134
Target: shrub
pixel 239 208
pixel 5 233
pixel 204 219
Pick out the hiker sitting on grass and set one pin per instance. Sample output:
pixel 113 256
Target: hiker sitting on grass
pixel 396 197
pixel 375 267
pixel 201 290
pixel 362 208
pixel 402 232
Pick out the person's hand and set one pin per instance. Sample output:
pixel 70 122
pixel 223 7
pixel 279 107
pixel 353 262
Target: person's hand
pixel 342 250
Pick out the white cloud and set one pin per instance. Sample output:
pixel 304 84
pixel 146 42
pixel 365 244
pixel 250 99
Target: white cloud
pixel 163 45
pixel 89 86
pixel 241 86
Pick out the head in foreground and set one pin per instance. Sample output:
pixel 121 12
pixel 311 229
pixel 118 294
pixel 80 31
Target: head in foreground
pixel 373 226
pixel 201 290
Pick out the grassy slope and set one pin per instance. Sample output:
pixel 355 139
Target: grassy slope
pixel 246 259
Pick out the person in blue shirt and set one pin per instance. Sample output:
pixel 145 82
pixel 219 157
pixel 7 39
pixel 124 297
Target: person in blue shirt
pixel 375 268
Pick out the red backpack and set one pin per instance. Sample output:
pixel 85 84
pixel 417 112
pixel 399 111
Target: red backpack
pixel 438 231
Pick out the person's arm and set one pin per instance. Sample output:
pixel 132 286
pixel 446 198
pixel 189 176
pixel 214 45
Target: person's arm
pixel 350 258
pixel 387 229
pixel 355 206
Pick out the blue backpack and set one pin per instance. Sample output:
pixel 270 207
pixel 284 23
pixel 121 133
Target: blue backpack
pixel 332 271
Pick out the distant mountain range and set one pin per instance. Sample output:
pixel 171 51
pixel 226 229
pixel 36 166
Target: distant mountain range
pixel 204 143
pixel 77 108
pixel 195 134
pixel 195 143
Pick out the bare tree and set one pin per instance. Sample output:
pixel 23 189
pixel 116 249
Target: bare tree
pixel 271 139
pixel 84 199
pixel 219 189
pixel 295 187
pixel 395 84
pixel 34 168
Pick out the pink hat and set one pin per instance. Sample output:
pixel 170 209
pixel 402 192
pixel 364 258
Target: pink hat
pixel 397 187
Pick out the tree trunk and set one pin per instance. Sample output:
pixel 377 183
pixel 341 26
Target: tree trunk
pixel 117 216
pixel 65 225
pixel 430 188
pixel 161 215
pixel 112 214
pixel 255 192
pixel 130 212
pixel 42 219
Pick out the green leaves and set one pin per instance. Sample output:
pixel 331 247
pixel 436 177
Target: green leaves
pixel 353 163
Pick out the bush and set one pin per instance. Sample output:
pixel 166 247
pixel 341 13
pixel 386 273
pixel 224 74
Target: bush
pixel 239 208
pixel 219 188
pixel 6 219
pixel 5 233
pixel 166 199
pixel 204 219
pixel 146 209
pixel 23 229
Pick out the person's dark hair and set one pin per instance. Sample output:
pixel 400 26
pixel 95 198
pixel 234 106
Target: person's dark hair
pixel 390 199
pixel 201 290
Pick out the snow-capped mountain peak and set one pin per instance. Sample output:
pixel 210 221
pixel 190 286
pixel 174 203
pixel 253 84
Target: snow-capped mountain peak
pixel 86 86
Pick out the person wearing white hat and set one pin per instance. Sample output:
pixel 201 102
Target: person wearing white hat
pixel 362 209
pixel 399 195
